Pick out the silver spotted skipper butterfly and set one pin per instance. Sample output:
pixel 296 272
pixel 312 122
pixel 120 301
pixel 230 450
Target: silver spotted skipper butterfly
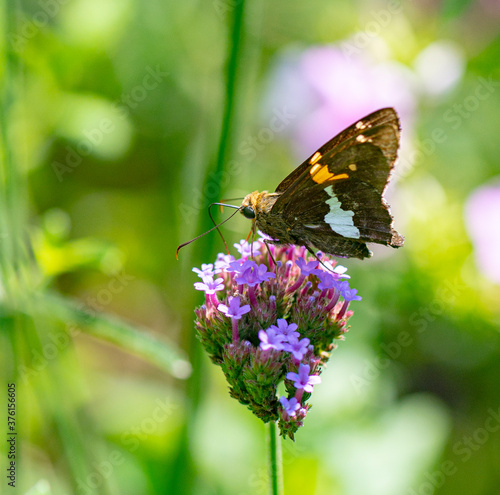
pixel 334 200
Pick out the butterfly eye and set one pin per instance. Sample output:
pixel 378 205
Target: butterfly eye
pixel 248 212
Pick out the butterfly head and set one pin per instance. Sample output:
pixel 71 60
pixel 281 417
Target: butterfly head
pixel 250 205
pixel 257 203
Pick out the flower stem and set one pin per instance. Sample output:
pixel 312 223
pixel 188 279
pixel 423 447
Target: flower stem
pixel 251 296
pixel 275 463
pixel 343 309
pixel 296 285
pixel 236 336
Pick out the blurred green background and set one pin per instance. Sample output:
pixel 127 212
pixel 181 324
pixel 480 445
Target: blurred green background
pixel 121 120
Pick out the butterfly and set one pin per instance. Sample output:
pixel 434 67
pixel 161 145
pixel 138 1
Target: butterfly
pixel 334 201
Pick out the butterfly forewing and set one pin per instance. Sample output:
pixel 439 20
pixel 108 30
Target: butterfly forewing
pixel 334 199
pixel 371 123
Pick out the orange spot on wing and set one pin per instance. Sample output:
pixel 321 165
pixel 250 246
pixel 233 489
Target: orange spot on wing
pixel 340 176
pixel 320 173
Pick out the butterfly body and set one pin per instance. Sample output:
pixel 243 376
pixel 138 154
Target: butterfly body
pixel 334 200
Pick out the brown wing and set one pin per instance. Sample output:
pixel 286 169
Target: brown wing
pixel 345 179
pixel 382 117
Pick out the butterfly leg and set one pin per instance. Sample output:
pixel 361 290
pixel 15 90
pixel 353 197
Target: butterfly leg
pixel 308 247
pixel 270 254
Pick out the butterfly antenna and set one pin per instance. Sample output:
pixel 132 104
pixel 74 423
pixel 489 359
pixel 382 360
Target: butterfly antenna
pixel 238 208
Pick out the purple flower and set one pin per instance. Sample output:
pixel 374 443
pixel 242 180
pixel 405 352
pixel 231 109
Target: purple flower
pixel 302 380
pixel 346 292
pixel 297 347
pixel 290 406
pixel 234 310
pixel 209 285
pixel 326 280
pixel 306 268
pixel 223 260
pixel 288 330
pixel 269 339
pixel 342 286
pixel 254 275
pixel 262 358
pixel 264 275
pixel 350 295
pixel 246 250
pixel 207 270
pixel 340 271
pixel 240 266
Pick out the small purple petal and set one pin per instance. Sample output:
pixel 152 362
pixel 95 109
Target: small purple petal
pixel 246 250
pixel 264 275
pixel 207 270
pixel 340 271
pixel 350 295
pixel 223 261
pixel 253 275
pixel 288 330
pixel 269 339
pixel 234 310
pixel 302 380
pixel 327 280
pixel 305 267
pixel 297 347
pixel 240 266
pixel 290 406
pixel 209 285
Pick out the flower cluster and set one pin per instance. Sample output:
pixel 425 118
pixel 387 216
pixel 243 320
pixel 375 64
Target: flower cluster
pixel 270 317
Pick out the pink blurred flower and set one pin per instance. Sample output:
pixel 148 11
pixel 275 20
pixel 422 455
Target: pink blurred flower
pixel 482 218
pixel 327 91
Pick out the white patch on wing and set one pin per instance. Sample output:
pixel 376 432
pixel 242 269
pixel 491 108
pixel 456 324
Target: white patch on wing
pixel 340 220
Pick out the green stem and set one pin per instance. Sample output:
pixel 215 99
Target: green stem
pixel 232 71
pixel 184 472
pixel 275 463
